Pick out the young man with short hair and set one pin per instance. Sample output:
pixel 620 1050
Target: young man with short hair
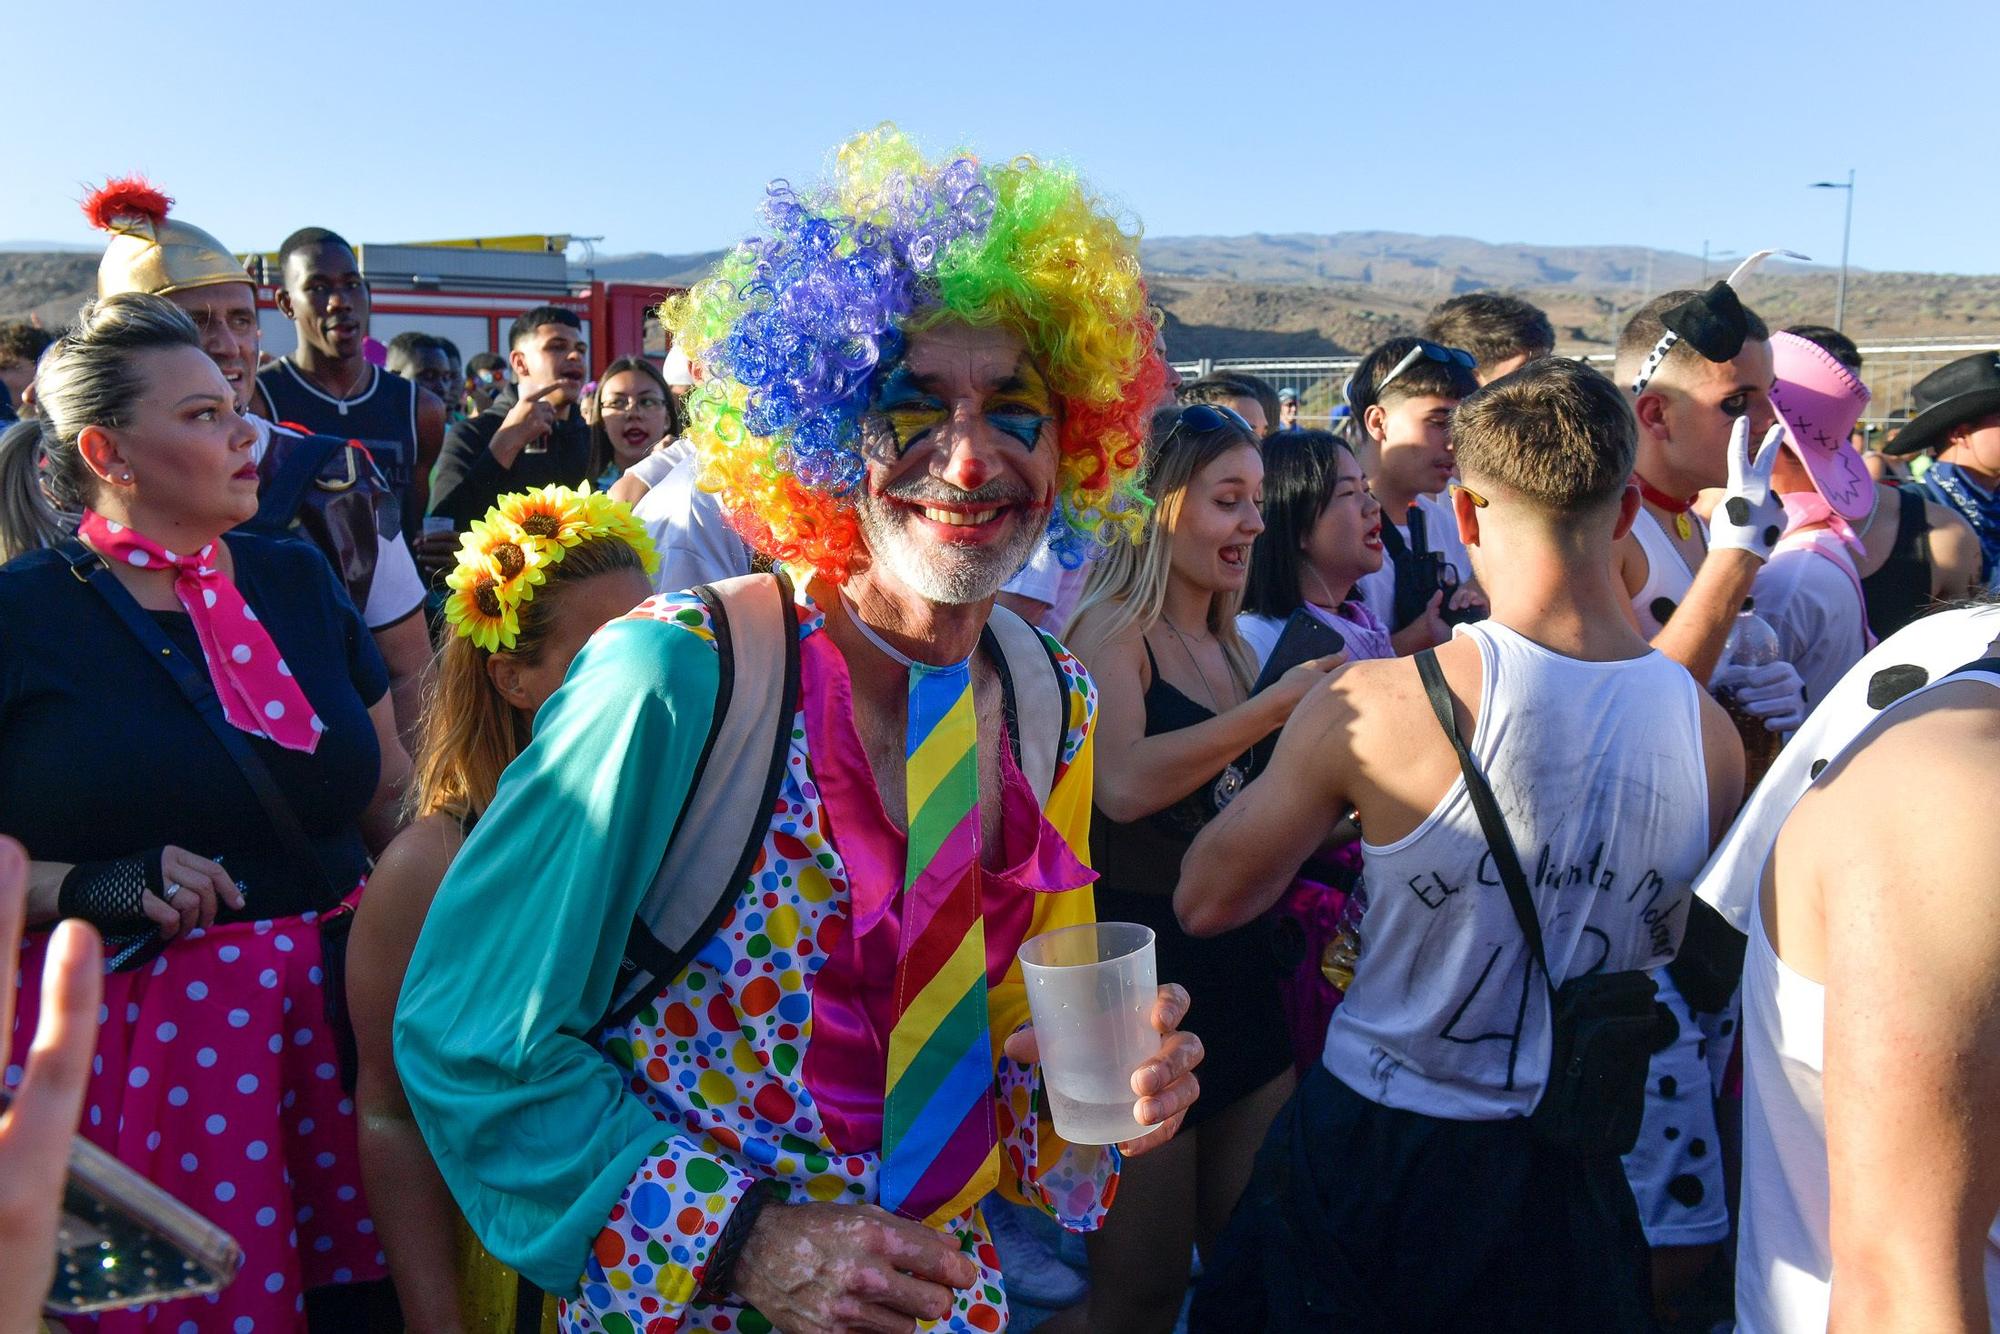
pixel 327 385
pixel 533 434
pixel 1689 392
pixel 1248 396
pixel 1405 1187
pixel 424 361
pixel 1503 333
pixel 485 378
pixel 1698 371
pixel 1403 393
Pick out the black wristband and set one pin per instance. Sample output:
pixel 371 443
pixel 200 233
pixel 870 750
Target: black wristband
pixel 720 1280
pixel 107 894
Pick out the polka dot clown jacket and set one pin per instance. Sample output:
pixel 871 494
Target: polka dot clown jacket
pixel 603 1162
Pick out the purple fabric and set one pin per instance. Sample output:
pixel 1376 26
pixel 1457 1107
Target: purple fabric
pixel 853 993
pixel 1366 636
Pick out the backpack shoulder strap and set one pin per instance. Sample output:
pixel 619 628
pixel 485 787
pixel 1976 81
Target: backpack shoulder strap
pixel 1499 841
pixel 1040 697
pixel 726 814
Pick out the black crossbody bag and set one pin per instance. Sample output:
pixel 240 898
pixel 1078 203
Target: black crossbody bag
pixel 199 691
pixel 1603 1027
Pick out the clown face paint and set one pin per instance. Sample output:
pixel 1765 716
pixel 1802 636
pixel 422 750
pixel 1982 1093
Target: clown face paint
pixel 907 410
pixel 961 464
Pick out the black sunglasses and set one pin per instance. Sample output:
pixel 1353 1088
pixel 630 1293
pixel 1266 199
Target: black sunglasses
pixel 1209 417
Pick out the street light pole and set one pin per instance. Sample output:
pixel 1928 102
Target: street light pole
pixel 1846 232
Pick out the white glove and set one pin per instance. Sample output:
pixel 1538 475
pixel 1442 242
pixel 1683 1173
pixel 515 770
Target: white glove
pixel 1750 516
pixel 1773 693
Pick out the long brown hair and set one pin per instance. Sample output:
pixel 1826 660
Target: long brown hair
pixel 470 734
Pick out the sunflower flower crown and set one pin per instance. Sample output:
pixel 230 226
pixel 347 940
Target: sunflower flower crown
pixel 509 553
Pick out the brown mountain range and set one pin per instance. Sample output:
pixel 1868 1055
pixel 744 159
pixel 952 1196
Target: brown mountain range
pixel 1318 296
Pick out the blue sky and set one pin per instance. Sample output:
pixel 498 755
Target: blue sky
pixel 655 126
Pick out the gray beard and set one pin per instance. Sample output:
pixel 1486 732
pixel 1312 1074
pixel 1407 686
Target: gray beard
pixel 949 576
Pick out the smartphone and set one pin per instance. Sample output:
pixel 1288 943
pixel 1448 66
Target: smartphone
pixel 1304 638
pixel 125 1242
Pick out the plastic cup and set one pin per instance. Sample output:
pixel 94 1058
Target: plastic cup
pixel 1091 990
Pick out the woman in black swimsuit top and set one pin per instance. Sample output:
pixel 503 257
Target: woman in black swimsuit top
pixel 1176 728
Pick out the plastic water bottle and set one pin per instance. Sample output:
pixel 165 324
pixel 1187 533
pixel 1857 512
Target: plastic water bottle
pixel 1751 643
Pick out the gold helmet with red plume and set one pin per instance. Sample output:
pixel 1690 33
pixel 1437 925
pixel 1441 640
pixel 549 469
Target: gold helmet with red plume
pixel 150 252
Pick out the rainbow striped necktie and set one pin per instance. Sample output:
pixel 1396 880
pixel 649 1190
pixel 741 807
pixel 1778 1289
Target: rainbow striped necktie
pixel 939 1149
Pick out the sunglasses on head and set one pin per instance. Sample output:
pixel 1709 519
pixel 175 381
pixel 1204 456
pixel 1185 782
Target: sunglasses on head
pixel 1455 356
pixel 1209 417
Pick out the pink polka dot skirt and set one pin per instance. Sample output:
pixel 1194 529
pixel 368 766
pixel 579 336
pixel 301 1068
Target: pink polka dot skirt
pixel 216 1076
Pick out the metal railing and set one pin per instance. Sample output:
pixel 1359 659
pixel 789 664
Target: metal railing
pixel 1888 368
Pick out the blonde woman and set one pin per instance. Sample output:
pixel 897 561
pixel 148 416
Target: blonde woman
pixel 1175 734
pixel 534 580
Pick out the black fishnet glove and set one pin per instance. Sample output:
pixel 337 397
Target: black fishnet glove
pixel 107 894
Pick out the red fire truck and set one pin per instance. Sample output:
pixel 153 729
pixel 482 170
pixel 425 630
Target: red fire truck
pixel 470 291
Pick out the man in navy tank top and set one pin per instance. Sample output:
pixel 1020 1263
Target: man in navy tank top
pixel 329 387
pixel 1405 1187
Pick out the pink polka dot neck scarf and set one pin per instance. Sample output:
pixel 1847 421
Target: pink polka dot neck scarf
pixel 258 693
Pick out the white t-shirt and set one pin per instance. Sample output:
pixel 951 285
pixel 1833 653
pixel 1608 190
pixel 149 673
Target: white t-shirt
pixel 1378 590
pixel 397 589
pixel 654 466
pixel 1598 768
pixel 696 544
pixel 1810 594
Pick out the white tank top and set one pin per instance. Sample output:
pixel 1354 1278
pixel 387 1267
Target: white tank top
pixel 1599 771
pixel 1668 577
pixel 1784 1257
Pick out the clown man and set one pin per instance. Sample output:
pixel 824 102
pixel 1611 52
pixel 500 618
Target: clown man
pixel 916 372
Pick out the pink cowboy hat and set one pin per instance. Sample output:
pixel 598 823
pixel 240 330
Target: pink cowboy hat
pixel 1819 400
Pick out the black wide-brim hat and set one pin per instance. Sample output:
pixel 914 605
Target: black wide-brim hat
pixel 1956 392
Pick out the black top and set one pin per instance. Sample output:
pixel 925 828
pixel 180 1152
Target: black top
pixel 101 756
pixel 1232 979
pixel 1901 589
pixel 383 419
pixel 468 479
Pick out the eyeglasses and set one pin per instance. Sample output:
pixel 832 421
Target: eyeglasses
pixel 643 403
pixel 1436 352
pixel 1209 417
pixel 1479 502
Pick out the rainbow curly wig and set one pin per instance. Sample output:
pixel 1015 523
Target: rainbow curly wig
pixel 796 326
